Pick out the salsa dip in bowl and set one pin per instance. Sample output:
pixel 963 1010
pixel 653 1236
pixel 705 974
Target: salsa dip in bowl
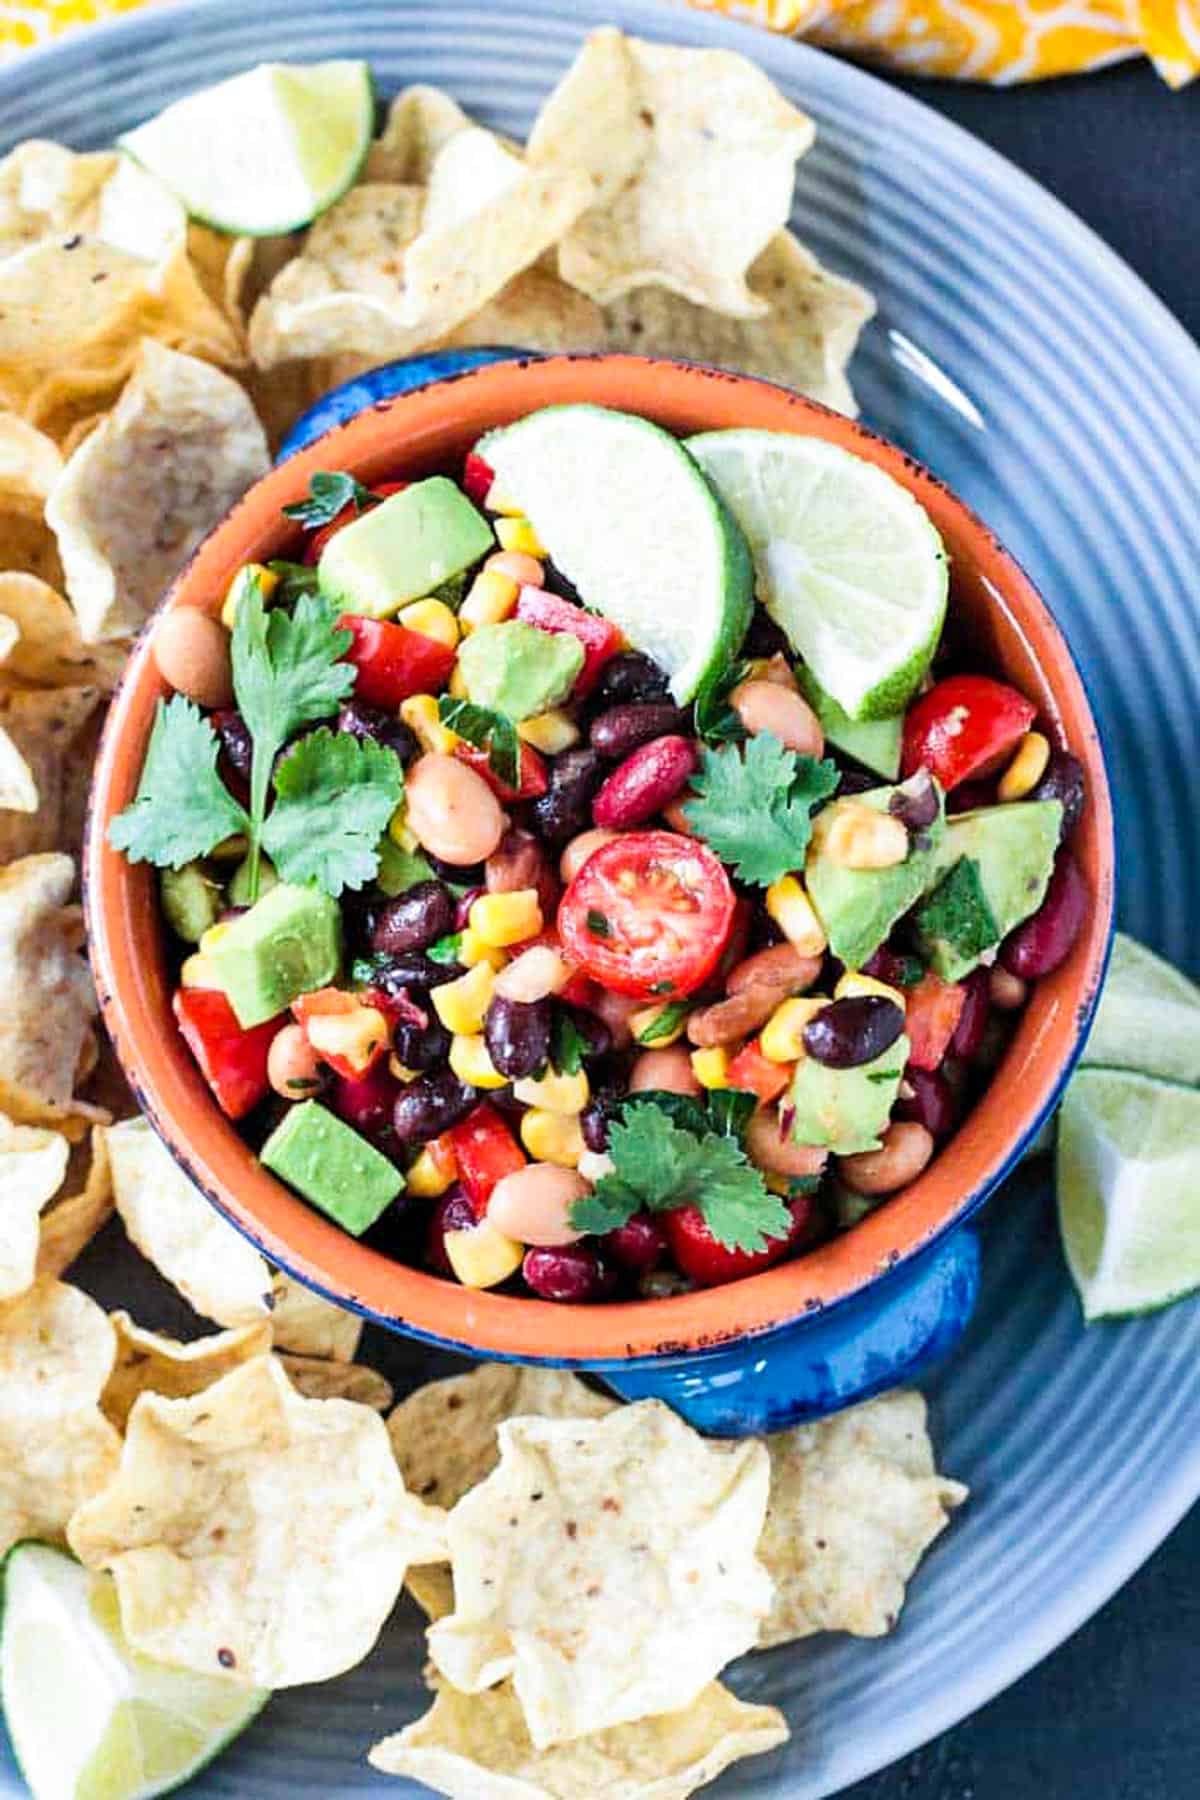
pixel 603 861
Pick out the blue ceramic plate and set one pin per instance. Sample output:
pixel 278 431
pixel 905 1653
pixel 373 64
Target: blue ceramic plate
pixel 1028 367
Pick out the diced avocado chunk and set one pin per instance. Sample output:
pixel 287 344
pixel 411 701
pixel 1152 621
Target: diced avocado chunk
pixel 517 670
pixel 404 548
pixel 990 871
pixel 332 1165
pixel 287 944
pixel 858 907
pixel 875 743
pixel 847 1110
pixel 191 900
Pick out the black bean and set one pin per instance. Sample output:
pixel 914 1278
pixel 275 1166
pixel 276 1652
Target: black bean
pixel 624 728
pixel 916 803
pixel 855 781
pixel 565 809
pixel 236 741
pixel 630 676
pixel 453 1212
pixel 416 971
pixel 361 721
pixel 413 920
pixel 517 1034
pixel 429 1106
pixel 1063 781
pixel 593 1124
pixel 472 876
pixel 420 1046
pixel 849 1032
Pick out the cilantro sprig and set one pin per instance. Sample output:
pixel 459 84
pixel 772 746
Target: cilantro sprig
pixel 334 797
pixel 328 493
pixel 486 730
pixel 183 809
pixel 753 806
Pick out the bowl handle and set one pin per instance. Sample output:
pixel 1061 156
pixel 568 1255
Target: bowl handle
pixel 819 1365
pixel 355 396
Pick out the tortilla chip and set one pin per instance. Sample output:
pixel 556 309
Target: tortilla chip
pixel 47 1002
pixel 148 1363
pixel 476 1747
pixel 317 1379
pixel 444 1434
pixel 421 121
pixel 256 1533
pixel 18 788
pixel 593 1537
pixel 309 1325
pixel 45 189
pixel 74 1220
pixel 133 502
pixel 48 651
pixel 44 725
pixel 56 1447
pixel 856 1501
pixel 33 1163
pixel 691 155
pixel 535 311
pixel 30 462
pixel 218 1272
pixel 804 342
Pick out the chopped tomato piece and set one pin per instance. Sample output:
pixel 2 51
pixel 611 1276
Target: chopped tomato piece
pixel 232 1057
pixel 347 1031
pixel 708 1263
pixel 485 1151
pixel 478 477
pixel 965 727
pixel 599 638
pixel 532 778
pixel 755 1073
pixel 392 663
pixel 932 1010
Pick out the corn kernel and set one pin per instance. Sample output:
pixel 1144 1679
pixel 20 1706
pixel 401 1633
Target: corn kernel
pixel 420 714
pixel 456 687
pixel 503 919
pixel 483 1257
pixel 491 598
pixel 471 1063
pixel 267 580
pixel 355 1035
pixel 401 832
pixel 1026 768
pixel 462 1003
pixel 433 619
pixel 857 837
pixel 855 986
pixel 792 910
pixel 552 1092
pixel 782 1037
pixel 426 1177
pixel 518 534
pixel 552 1137
pixel 472 950
pixel 711 1067
pixel 197 972
pixel 550 732
pixel 643 1025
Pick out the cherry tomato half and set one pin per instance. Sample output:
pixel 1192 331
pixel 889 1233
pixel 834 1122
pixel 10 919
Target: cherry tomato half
pixel 965 727
pixel 710 1264
pixel 648 914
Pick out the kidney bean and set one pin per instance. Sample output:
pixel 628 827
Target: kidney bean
pixel 904 1152
pixel 780 967
pixel 452 1212
pixel 973 1018
pixel 1063 781
pixel 564 810
pixel 426 1108
pixel 421 1046
pixel 630 677
pixel 917 808
pixel 414 919
pixel 572 1273
pixel 736 1017
pixel 366 1102
pixel 639 1244
pixel 644 783
pixel 519 862
pixel 621 729
pixel 1045 940
pixel 413 971
pixel 593 1124
pixel 849 1032
pixel 932 1102
pixel 517 1034
pixel 369 722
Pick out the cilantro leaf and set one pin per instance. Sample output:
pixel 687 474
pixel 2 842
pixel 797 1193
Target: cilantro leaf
pixel 327 495
pixel 754 807
pixel 446 949
pixel 608 1206
pixel 487 730
pixel 334 796
pixel 730 1111
pixel 665 1024
pixel 568 1045
pixel 957 912
pixel 183 809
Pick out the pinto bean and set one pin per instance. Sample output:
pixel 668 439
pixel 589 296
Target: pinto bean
pixel 772 1147
pixel 727 1020
pixel 669 1069
pixel 768 706
pixel 905 1150
pixel 781 968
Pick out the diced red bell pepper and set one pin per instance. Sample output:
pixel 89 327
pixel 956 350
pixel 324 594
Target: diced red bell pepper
pixel 392 663
pixel 317 542
pixel 709 1264
pixel 599 638
pixel 232 1057
pixel 533 780
pixel 965 727
pixel 755 1073
pixel 478 477
pixel 485 1151
pixel 325 1002
pixel 932 1010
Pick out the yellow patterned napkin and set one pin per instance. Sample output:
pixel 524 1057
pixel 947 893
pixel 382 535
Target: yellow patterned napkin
pixel 973 40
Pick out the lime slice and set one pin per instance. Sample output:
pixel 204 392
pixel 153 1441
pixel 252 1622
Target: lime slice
pixel 848 564
pixel 1148 1018
pixel 1128 1175
pixel 265 151
pixel 88 1717
pixel 633 524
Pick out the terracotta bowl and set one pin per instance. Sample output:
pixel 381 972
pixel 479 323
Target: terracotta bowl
pixel 1009 627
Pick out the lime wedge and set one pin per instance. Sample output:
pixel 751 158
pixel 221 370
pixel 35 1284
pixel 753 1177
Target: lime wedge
pixel 848 564
pixel 1148 1018
pixel 88 1717
pixel 265 151
pixel 633 524
pixel 1128 1176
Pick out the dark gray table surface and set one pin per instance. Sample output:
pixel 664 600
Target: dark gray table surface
pixel 1113 1714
